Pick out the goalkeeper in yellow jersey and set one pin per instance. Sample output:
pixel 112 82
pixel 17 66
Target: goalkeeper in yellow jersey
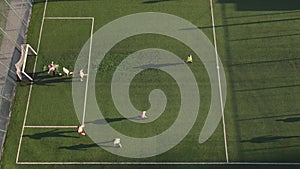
pixel 189 59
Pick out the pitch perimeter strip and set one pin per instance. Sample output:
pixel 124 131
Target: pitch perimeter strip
pixel 219 79
pixel 156 163
pixel 30 88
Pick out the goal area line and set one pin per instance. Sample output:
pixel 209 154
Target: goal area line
pixel 156 163
pixel 67 18
pixel 50 127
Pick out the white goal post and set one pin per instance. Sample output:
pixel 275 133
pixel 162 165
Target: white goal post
pixel 26 50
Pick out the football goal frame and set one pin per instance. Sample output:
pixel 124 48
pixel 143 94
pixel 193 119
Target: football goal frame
pixel 26 50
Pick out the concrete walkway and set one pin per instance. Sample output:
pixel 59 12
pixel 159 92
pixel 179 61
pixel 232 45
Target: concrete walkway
pixel 16 31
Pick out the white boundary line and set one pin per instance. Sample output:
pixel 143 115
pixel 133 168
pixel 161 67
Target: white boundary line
pixel 219 79
pixel 155 163
pixel 30 88
pixel 51 127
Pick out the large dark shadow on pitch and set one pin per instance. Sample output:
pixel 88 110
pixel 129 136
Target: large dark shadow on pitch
pixel 264 5
pixel 268 138
pixel 52 133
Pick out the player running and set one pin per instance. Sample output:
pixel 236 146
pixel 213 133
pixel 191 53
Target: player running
pixel 80 129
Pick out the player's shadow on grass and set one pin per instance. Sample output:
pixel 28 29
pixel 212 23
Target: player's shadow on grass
pixel 277 61
pixel 263 5
pixel 266 37
pixel 258 15
pixel 290 119
pixel 111 120
pixel 42 78
pixel 244 23
pixel 79 146
pixel 87 146
pixel 156 66
pixel 43 1
pixel 155 1
pixel 268 138
pixel 35 74
pixel 267 88
pixel 52 133
pixel 270 117
pixel 50 80
pixel 252 149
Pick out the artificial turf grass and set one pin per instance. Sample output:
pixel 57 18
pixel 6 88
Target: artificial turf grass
pixel 109 66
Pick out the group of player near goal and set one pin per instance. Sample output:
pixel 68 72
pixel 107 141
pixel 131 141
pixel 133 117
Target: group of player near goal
pixel 80 128
pixel 52 68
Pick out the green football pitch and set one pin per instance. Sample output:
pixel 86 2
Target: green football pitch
pixel 257 44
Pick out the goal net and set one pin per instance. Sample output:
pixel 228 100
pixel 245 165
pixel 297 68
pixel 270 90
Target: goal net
pixel 26 50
